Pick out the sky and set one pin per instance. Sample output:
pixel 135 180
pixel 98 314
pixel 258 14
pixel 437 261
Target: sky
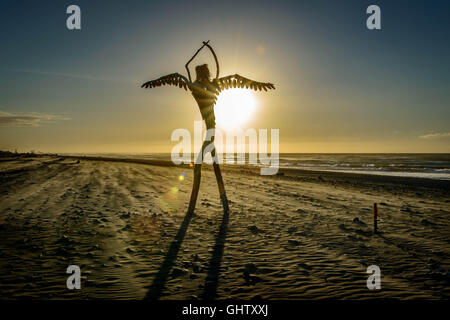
pixel 340 87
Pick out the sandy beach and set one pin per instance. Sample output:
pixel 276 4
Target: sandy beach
pixel 296 235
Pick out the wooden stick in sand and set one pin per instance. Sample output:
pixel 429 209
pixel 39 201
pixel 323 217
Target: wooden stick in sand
pixel 375 218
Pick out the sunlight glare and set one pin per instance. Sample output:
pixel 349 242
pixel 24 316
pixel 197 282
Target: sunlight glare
pixel 234 108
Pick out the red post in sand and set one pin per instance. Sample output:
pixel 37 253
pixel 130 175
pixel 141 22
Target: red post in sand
pixel 375 218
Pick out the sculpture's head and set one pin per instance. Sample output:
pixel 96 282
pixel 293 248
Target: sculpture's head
pixel 202 73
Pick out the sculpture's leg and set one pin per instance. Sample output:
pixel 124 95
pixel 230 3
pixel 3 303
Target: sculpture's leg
pixel 223 195
pixel 197 178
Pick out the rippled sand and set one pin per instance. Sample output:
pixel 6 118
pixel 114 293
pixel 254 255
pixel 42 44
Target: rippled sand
pixel 290 236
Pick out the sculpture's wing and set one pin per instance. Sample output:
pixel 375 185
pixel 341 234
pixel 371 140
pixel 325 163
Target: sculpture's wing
pixel 237 81
pixel 174 79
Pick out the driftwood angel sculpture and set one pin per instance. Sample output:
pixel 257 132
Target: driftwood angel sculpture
pixel 205 92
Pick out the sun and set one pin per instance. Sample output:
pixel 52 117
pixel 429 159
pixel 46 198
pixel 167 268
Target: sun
pixel 234 108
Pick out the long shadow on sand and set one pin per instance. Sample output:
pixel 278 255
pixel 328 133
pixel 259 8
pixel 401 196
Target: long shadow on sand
pixel 157 287
pixel 212 278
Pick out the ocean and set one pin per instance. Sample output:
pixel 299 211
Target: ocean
pixel 431 165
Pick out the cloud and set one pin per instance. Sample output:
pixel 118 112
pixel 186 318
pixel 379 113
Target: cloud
pixel 435 135
pixel 33 119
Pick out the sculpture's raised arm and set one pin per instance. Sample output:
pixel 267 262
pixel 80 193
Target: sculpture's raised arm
pixel 195 54
pixel 215 57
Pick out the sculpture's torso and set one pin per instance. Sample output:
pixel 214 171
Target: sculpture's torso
pixel 206 99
